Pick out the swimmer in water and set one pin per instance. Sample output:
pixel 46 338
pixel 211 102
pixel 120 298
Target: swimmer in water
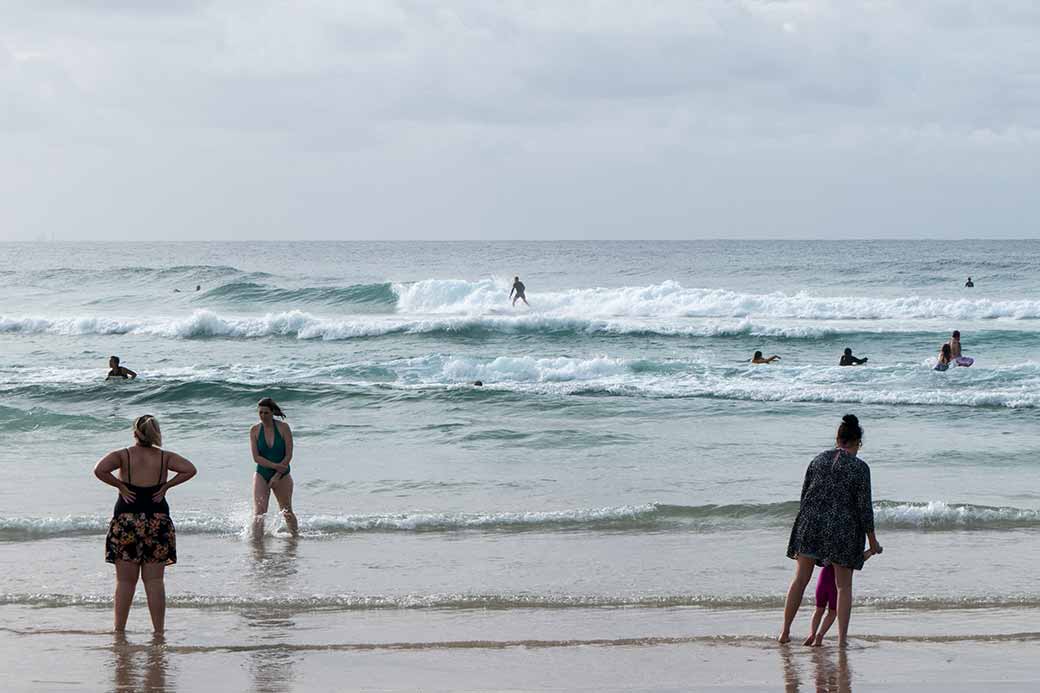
pixel 847 359
pixel 518 288
pixel 117 371
pixel 944 358
pixel 478 383
pixel 758 358
pixel 955 345
pixel 969 284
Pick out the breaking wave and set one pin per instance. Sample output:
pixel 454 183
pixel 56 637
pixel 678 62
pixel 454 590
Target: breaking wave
pixel 934 515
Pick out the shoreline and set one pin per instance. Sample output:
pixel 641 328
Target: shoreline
pixel 284 655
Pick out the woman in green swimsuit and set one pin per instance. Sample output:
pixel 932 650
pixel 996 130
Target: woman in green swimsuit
pixel 272 445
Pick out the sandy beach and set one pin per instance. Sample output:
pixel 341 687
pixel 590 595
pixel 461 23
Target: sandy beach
pixel 590 650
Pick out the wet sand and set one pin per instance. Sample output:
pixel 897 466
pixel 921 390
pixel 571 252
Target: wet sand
pixel 591 650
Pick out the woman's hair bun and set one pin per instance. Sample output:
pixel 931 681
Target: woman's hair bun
pixel 850 431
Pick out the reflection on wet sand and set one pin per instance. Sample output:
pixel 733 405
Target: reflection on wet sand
pixel 832 673
pixel 127 669
pixel 273 567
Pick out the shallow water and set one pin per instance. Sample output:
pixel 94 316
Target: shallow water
pixel 622 454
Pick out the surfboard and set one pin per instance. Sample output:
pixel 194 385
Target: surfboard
pixel 964 361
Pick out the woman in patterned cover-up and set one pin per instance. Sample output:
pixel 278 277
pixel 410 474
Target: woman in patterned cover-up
pixel 141 539
pixel 834 520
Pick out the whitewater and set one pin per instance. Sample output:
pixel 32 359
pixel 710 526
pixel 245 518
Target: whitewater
pixel 622 459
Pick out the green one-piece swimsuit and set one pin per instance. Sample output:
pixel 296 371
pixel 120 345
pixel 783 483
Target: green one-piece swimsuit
pixel 274 453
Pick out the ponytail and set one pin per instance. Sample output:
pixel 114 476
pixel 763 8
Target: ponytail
pixel 146 431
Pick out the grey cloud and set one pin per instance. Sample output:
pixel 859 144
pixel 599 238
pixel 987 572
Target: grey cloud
pixel 472 118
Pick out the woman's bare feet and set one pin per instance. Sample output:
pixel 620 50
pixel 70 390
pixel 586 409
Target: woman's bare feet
pixel 784 638
pixel 810 640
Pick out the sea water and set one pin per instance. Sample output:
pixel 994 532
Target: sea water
pixel 622 454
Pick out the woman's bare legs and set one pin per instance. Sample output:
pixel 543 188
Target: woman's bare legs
pixel 155 589
pixel 802 574
pixel 843 578
pixel 261 497
pixel 283 488
pixel 126 584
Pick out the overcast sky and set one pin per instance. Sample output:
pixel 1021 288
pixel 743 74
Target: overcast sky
pixel 347 119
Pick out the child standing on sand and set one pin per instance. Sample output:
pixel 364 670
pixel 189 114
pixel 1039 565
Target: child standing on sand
pixel 826 600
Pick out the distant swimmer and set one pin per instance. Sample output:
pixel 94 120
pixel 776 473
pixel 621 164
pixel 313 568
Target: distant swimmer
pixel 117 371
pixel 758 358
pixel 955 350
pixel 944 358
pixel 970 284
pixel 518 288
pixel 847 359
pixel 478 383
pixel 198 287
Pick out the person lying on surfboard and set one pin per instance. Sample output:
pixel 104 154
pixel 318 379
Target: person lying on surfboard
pixel 758 358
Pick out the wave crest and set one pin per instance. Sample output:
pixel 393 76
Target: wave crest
pixel 934 515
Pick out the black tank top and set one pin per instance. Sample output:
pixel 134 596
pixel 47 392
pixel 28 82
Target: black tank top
pixel 143 503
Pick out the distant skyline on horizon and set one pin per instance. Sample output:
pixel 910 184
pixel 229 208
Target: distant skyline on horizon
pixel 748 120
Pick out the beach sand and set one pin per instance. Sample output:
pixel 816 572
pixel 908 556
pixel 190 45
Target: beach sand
pixel 574 649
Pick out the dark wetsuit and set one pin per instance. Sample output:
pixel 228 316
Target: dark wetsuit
pixel 850 360
pixel 518 287
pixel 274 453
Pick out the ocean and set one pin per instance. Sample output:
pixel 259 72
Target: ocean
pixel 623 477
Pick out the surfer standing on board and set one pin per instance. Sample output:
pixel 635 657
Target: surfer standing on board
pixel 518 288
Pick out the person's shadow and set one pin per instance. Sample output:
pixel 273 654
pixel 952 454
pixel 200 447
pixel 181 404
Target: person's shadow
pixel 831 665
pixel 130 660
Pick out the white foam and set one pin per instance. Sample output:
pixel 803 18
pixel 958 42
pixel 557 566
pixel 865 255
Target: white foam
pixel 939 514
pixel 669 299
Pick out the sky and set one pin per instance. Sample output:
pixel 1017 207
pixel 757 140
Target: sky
pixel 565 119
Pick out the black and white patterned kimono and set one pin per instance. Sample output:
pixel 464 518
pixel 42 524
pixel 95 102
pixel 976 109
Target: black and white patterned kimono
pixel 836 511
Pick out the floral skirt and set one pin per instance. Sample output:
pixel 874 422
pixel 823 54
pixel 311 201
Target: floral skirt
pixel 140 538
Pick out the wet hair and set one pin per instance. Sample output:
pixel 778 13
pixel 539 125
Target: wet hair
pixel 848 351
pixel 146 431
pixel 946 351
pixel 113 358
pixel 849 431
pixel 272 405
pixel 956 334
pixel 758 355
